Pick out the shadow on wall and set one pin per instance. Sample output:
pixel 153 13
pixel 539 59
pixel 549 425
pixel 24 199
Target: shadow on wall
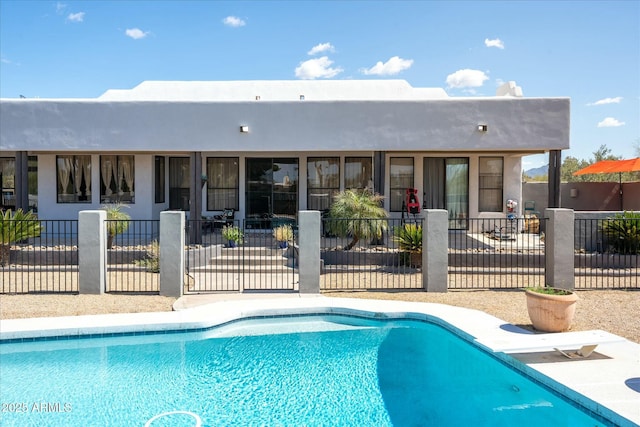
pixel 586 196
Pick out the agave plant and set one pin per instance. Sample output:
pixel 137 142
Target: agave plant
pixel 408 237
pixel 15 227
pixel 359 214
pixel 623 232
pixel 117 221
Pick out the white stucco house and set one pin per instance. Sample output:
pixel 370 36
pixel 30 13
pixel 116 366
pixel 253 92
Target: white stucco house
pixel 266 148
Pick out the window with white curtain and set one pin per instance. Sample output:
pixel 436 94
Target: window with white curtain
pixel 400 178
pixel 491 170
pixel 73 176
pixel 117 179
pixel 222 183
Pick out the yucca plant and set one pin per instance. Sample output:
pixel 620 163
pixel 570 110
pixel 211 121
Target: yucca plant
pixel 359 214
pixel 15 227
pixel 623 232
pixel 117 221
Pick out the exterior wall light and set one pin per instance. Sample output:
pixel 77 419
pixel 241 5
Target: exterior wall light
pixel 482 128
pixel 244 129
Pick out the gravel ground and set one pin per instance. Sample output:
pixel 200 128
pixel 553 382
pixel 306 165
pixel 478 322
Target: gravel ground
pixel 616 311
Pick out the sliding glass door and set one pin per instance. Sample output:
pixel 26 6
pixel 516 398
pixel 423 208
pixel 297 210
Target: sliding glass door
pixel 271 190
pixel 446 184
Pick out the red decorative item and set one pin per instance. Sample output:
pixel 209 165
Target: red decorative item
pixel 413 205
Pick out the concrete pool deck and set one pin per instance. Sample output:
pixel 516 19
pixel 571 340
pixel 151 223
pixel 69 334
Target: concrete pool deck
pixel 610 376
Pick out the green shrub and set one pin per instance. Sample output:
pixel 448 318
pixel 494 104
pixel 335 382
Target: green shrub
pixel 152 261
pixel 15 227
pixel 623 232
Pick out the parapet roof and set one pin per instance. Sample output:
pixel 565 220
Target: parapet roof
pixel 274 90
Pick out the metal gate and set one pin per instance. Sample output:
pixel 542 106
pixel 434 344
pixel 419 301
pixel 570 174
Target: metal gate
pixel 257 262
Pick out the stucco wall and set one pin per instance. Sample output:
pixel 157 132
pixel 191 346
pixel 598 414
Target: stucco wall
pixel 589 196
pixel 514 124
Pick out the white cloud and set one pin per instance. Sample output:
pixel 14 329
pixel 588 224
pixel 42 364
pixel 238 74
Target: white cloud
pixel 466 78
pixel 233 21
pixel 610 122
pixel 322 47
pixel 136 33
pixel 494 43
pixel 60 7
pixel 605 101
pixel 393 66
pixel 317 68
pixel 76 17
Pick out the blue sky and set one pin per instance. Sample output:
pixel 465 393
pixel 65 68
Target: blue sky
pixel 586 50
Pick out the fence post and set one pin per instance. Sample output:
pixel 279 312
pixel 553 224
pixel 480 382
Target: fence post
pixel 309 251
pixel 559 248
pixel 172 253
pixel 435 244
pixel 92 252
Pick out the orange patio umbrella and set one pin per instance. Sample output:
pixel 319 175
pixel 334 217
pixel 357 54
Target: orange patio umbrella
pixel 612 166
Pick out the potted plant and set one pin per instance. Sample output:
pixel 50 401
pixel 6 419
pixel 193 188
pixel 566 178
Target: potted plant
pixel 283 235
pixel 16 227
pixel 233 235
pixel 409 240
pixel 551 309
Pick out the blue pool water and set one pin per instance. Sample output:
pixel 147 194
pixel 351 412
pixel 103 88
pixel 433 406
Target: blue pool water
pixel 313 371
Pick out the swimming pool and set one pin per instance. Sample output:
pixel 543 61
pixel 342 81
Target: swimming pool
pixel 304 370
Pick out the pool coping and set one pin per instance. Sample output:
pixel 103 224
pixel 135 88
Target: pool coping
pixel 604 378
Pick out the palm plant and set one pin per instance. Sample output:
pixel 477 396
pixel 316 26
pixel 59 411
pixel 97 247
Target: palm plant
pixel 359 214
pixel 117 221
pixel 15 227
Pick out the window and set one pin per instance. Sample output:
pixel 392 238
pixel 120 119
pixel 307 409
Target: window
pixel 73 176
pixel 358 173
pixel 323 181
pixel 490 184
pixel 159 179
pixel 179 171
pixel 400 178
pixel 7 182
pixel 222 183
pixel 117 175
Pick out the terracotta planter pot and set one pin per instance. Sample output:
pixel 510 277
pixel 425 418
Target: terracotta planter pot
pixel 551 313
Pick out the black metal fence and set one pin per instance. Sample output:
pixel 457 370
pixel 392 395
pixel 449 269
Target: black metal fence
pixel 237 257
pixel 371 254
pixel 497 253
pixel 607 253
pixel 492 253
pixel 46 262
pixel 133 256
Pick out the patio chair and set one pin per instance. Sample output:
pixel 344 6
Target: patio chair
pixel 225 218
